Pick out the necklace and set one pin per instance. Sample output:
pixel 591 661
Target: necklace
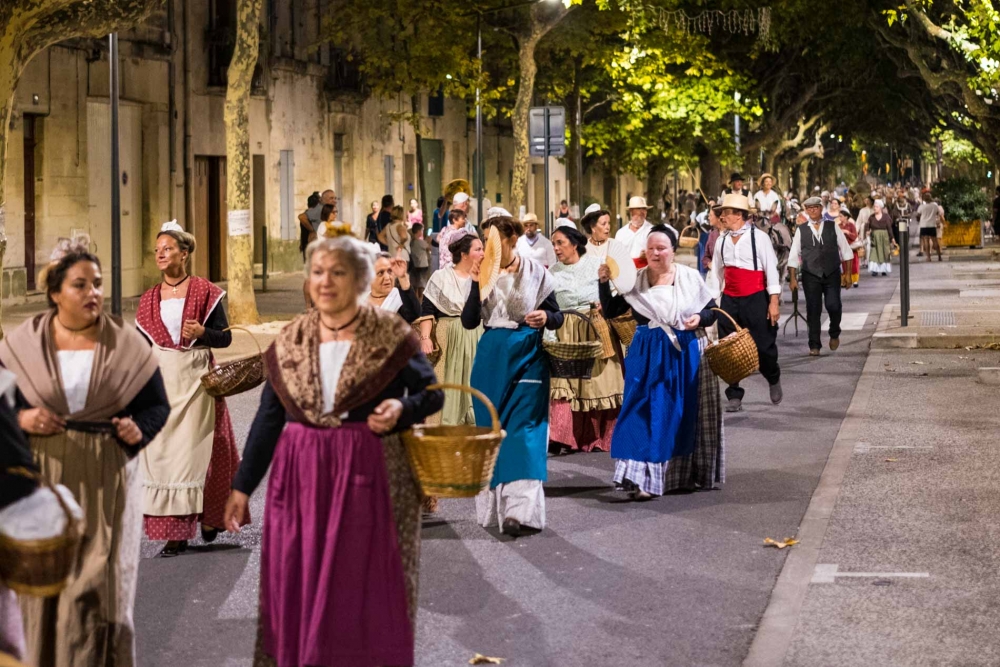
pixel 377 298
pixel 75 330
pixel 175 285
pixel 598 243
pixel 336 330
pixel 511 263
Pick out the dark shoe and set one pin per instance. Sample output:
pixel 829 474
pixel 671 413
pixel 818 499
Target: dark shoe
pixel 734 405
pixel 173 548
pixel 776 393
pixel 208 534
pixel 511 527
pixel 813 353
pixel 920 254
pixel 834 344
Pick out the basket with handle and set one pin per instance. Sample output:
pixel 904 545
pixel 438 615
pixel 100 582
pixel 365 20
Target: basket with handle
pixel 435 354
pixel 689 237
pixel 603 332
pixel 455 461
pixel 40 567
pixel 574 360
pixel 734 357
pixel 624 326
pixel 235 377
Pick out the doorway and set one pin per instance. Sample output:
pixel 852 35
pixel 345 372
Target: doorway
pixel 259 208
pixel 29 200
pixel 210 216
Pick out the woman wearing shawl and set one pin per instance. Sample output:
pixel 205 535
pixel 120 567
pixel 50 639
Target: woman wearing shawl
pixel 188 469
pixel 582 412
pixel 880 233
pixel 340 550
pixel 444 298
pixel 851 234
pixel 512 371
pixel 669 432
pixel 90 397
pixel 391 289
pixel 597 226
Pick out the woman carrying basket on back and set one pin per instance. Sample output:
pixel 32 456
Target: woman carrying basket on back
pixel 583 412
pixel 669 431
pixel 189 467
pixel 511 369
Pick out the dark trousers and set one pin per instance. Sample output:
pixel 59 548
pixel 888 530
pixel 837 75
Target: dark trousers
pixel 751 313
pixel 817 290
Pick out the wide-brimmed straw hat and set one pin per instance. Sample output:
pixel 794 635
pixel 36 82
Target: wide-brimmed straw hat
pixel 529 217
pixel 737 202
pixel 637 202
pixel 766 175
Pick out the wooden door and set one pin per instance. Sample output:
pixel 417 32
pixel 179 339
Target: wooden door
pixel 218 230
pixel 200 230
pixel 29 199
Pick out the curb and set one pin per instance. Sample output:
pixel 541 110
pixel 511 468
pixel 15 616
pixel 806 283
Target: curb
pixel 777 627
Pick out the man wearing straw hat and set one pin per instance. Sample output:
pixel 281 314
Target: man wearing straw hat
pixel 745 264
pixel 634 234
pixel 533 244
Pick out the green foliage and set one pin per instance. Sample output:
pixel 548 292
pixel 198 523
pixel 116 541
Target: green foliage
pixel 963 199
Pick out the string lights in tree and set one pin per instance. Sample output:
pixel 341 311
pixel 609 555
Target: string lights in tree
pixel 736 21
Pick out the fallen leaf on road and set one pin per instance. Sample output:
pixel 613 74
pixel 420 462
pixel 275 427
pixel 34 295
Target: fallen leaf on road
pixel 890 369
pixel 479 659
pixel 787 542
pixel 891 460
pixel 919 363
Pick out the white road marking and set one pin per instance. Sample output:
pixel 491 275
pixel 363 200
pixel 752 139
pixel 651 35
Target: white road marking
pixel 863 447
pixel 827 574
pixel 848 322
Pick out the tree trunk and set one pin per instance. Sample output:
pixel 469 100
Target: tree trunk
pixel 803 182
pixel 419 137
pixel 242 303
pixel 574 160
pixel 656 176
pixel 519 121
pixel 711 172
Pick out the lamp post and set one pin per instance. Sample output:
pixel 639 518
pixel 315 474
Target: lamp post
pixel 479 167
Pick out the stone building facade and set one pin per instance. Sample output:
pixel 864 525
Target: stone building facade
pixel 312 127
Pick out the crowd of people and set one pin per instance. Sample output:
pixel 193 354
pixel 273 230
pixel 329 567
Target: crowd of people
pixel 119 415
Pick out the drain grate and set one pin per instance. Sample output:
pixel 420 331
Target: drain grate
pixel 939 318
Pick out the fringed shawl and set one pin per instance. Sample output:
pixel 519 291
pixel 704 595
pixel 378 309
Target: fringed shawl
pixel 668 306
pixel 202 298
pixel 530 286
pixel 448 291
pixel 383 345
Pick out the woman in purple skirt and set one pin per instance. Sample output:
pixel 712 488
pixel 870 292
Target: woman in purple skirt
pixel 340 550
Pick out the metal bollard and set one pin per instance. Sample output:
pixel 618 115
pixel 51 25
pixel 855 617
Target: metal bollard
pixel 263 253
pixel 904 273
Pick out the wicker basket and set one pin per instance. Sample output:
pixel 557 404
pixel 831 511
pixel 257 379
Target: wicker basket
pixel 574 361
pixel 624 326
pixel 454 461
pixel 40 567
pixel 235 377
pixel 603 332
pixel 687 241
pixel 435 355
pixel 734 357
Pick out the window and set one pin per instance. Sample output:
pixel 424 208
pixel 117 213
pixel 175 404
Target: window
pixel 435 103
pixel 220 38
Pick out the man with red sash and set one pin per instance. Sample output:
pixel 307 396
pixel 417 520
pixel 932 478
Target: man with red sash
pixel 745 264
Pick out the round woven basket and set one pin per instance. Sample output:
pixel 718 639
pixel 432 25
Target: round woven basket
pixel 235 377
pixel 734 357
pixel 624 326
pixel 686 240
pixel 574 360
pixel 454 461
pixel 40 567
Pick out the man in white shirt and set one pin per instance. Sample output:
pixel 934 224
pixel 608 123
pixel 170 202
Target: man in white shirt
pixel 745 263
pixel 534 245
pixel 820 253
pixel 929 215
pixel 634 234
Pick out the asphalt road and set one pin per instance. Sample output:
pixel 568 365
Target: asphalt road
pixel 682 580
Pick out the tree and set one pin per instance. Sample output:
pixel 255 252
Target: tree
pixel 242 302
pixel 29 26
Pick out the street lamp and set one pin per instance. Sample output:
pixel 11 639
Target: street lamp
pixel 479 167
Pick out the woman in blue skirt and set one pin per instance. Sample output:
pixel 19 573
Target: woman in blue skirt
pixel 669 431
pixel 511 369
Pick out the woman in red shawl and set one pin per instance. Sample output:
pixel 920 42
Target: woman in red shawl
pixel 189 467
pixel 851 233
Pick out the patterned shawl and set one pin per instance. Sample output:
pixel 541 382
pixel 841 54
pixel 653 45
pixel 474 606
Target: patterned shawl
pixel 529 287
pixel 448 291
pixel 383 346
pixel 123 364
pixel 202 298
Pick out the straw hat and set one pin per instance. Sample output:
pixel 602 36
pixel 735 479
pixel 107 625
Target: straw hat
pixel 737 202
pixel 529 217
pixel 766 175
pixel 637 202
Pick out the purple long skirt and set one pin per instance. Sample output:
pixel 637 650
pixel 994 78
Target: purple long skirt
pixel 332 581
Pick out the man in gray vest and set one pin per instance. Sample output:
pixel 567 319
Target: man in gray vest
pixel 820 253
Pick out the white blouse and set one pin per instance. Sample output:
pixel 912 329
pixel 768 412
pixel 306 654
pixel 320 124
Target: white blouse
pixel 172 316
pixel 75 367
pixel 332 356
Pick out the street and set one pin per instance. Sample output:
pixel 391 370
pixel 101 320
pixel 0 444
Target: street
pixel 682 580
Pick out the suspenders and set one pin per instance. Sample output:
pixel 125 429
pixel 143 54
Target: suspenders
pixel 753 247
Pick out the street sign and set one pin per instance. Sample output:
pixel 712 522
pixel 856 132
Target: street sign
pixel 555 119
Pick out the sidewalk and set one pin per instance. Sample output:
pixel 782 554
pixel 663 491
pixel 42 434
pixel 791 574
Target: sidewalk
pixel 281 302
pixel 897 563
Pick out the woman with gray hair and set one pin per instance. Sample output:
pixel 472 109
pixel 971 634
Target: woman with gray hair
pixel 340 551
pixel 880 229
